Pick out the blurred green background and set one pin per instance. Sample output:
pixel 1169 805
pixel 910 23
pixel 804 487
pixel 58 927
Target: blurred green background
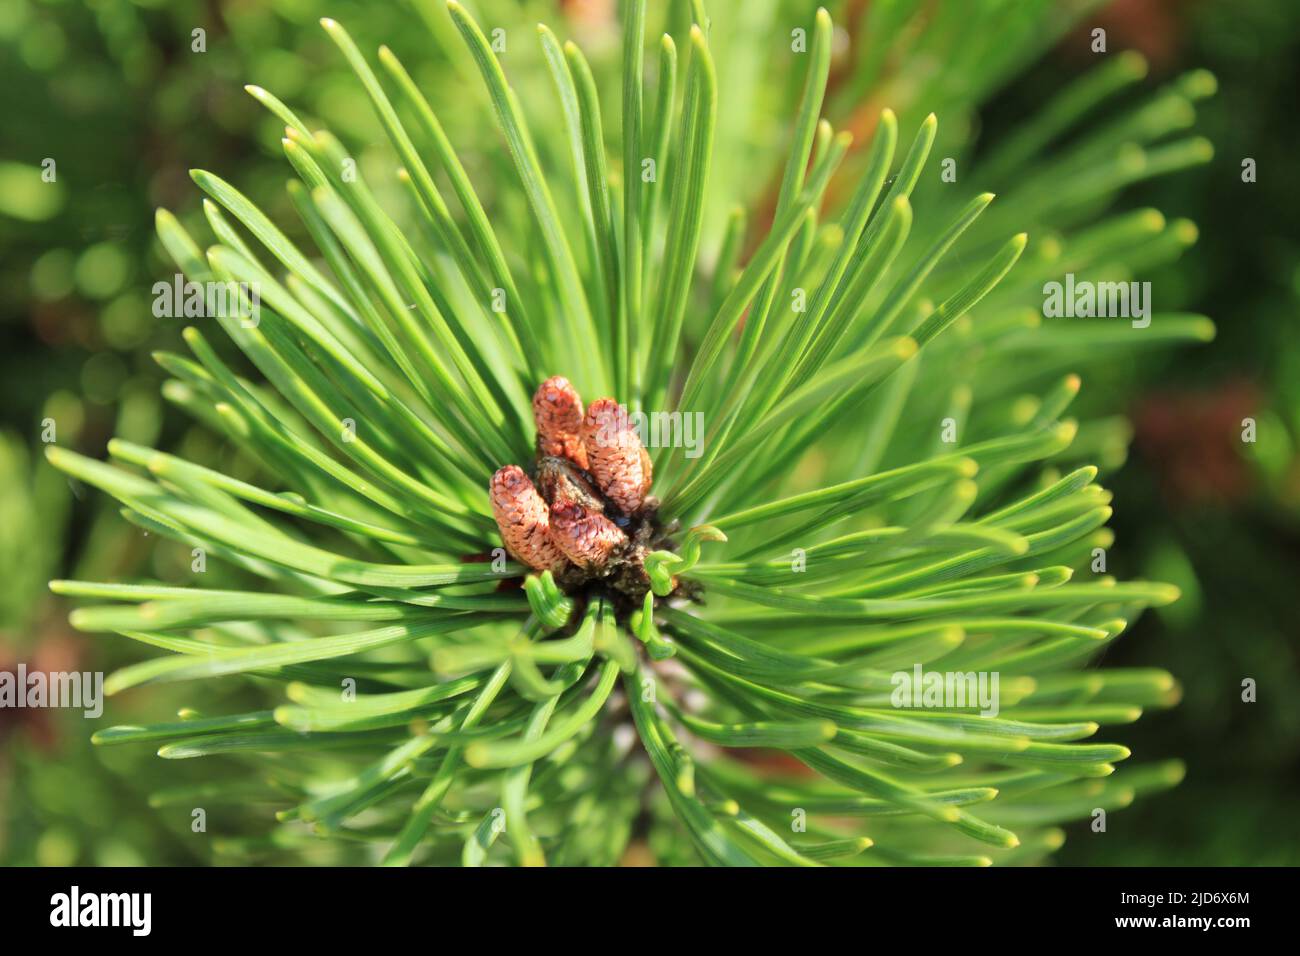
pixel 124 97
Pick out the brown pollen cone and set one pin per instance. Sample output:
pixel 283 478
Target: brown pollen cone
pixel 586 537
pixel 557 412
pixel 615 456
pixel 523 518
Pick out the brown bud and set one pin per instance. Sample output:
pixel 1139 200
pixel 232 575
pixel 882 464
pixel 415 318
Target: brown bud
pixel 561 482
pixel 586 537
pixel 523 518
pixel 615 456
pixel 557 412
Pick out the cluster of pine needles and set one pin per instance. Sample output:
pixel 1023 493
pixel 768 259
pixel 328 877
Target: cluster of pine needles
pixel 887 479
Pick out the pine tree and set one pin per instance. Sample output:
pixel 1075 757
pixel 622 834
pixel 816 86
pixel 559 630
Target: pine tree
pixel 480 632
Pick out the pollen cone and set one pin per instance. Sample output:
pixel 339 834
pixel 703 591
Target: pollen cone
pixel 557 412
pixel 615 456
pixel 523 518
pixel 586 537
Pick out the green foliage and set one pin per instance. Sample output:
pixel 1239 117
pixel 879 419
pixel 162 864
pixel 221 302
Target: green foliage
pixel 887 481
